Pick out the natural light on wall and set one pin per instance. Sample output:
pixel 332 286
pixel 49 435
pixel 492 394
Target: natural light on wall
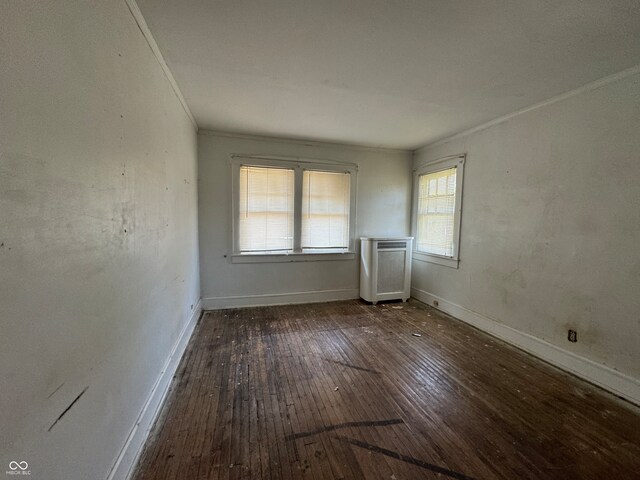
pixel 325 210
pixel 266 209
pixel 436 213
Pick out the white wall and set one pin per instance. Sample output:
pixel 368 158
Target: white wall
pixel 551 232
pixel 383 204
pixel 98 231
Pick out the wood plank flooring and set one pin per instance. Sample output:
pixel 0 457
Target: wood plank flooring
pixel 345 390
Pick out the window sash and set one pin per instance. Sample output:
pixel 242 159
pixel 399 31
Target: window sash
pixel 436 212
pixel 325 210
pixel 266 209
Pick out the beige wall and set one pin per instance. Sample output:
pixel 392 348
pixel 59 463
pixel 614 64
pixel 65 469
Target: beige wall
pixel 98 232
pixel 383 204
pixel 551 226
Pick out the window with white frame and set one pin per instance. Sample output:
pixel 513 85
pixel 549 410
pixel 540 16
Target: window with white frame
pixel 291 207
pixel 325 210
pixel 437 207
pixel 265 222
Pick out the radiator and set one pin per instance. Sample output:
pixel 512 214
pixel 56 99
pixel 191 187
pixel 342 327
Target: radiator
pixel 385 268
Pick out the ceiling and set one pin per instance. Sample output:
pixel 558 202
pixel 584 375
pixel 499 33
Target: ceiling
pixel 385 73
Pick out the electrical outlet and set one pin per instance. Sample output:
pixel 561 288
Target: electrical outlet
pixel 572 336
pixel 435 303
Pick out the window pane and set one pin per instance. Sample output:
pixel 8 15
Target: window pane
pixel 436 212
pixel 266 209
pixel 325 210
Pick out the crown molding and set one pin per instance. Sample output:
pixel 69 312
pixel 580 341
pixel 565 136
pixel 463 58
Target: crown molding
pixel 298 141
pixel 146 33
pixel 558 98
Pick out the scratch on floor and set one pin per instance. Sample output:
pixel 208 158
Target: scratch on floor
pixel 348 365
pixel 329 428
pixel 405 458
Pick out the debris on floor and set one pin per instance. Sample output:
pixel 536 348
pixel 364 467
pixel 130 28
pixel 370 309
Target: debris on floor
pixel 336 389
pixel 397 307
pixel 416 334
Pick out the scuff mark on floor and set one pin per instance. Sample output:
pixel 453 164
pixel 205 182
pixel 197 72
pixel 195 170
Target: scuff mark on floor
pixel 329 428
pixel 405 458
pixel 348 365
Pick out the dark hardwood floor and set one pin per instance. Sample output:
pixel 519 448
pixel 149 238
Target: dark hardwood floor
pixel 345 390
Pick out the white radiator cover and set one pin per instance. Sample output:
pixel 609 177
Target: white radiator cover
pixel 385 268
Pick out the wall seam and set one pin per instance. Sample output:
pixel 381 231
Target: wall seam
pixel 146 33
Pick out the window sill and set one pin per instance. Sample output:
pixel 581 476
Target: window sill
pixel 290 257
pixel 437 259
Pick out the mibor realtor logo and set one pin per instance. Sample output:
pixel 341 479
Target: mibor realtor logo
pixel 18 468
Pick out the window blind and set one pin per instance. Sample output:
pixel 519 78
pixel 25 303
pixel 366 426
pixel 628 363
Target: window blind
pixel 436 212
pixel 325 210
pixel 266 209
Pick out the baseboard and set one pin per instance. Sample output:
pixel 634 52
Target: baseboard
pixel 217 303
pixel 615 382
pixel 127 459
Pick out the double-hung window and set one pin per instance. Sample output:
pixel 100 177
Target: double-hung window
pixel 265 213
pixel 287 210
pixel 437 210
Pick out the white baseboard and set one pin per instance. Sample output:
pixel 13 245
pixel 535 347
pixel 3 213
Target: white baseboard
pixel 615 382
pixel 217 303
pixel 127 459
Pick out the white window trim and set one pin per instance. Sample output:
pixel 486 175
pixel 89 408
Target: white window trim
pixel 444 163
pixel 298 165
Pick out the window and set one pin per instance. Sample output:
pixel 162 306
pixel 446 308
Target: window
pixel 288 210
pixel 437 207
pixel 325 210
pixel 266 209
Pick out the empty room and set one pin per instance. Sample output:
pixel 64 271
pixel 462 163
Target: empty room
pixel 329 239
